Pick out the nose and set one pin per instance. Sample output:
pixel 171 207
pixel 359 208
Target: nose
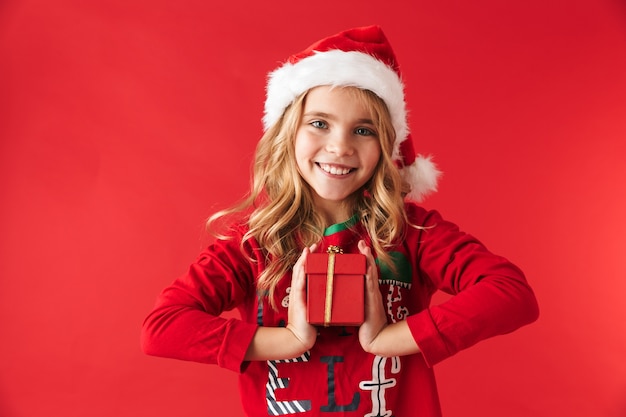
pixel 340 143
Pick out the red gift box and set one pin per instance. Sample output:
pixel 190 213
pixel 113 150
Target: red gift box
pixel 335 289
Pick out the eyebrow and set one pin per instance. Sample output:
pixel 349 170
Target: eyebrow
pixel 331 117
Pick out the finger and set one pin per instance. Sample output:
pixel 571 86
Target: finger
pixel 363 248
pixel 366 250
pixel 297 278
pixel 371 262
pixel 298 268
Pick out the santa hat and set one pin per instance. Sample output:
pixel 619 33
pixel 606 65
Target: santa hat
pixel 363 58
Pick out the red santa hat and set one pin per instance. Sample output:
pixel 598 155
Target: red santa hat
pixel 363 58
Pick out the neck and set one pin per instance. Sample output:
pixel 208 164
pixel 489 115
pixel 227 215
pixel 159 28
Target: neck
pixel 334 212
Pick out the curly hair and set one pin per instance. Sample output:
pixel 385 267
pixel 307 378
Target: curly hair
pixel 281 214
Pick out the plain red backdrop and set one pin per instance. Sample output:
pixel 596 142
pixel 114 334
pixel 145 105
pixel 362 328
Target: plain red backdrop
pixel 123 125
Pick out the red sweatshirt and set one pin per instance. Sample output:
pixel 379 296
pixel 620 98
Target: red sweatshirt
pixel 336 377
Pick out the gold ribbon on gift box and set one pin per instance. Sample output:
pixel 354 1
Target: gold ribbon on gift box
pixel 330 276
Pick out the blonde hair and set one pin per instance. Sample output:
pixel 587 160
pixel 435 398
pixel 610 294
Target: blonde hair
pixel 282 216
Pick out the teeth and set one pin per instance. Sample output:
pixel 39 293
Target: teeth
pixel 334 170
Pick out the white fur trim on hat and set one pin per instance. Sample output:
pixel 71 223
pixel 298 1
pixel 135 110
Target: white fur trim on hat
pixel 337 68
pixel 422 174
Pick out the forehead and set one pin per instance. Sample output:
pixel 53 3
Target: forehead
pixel 340 101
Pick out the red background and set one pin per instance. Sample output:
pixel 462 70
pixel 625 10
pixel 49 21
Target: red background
pixel 123 125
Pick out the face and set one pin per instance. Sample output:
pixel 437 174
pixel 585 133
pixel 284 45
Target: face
pixel 337 148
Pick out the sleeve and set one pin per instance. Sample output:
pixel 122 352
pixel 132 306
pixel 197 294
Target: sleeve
pixel 490 295
pixel 185 322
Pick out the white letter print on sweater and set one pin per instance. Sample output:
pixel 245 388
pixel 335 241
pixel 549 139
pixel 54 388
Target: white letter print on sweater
pixel 274 382
pixel 379 384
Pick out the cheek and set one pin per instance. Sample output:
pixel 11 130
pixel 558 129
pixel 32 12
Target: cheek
pixel 304 148
pixel 372 155
pixel 300 153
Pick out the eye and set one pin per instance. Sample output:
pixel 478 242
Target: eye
pixel 363 131
pixel 318 124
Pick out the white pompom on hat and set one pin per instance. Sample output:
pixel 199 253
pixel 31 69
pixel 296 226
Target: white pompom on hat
pixel 360 57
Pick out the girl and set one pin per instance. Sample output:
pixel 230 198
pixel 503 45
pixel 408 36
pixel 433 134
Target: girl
pixel 336 167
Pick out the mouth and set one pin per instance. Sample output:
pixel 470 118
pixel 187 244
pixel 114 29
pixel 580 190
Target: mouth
pixel 335 169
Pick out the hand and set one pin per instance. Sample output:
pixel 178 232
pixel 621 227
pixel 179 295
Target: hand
pixel 375 317
pixel 304 332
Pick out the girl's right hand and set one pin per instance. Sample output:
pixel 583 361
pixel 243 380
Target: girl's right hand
pixel 304 332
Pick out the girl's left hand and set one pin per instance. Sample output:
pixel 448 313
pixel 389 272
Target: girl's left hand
pixel 375 317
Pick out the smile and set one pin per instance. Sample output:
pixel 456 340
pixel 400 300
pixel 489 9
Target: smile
pixel 335 170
